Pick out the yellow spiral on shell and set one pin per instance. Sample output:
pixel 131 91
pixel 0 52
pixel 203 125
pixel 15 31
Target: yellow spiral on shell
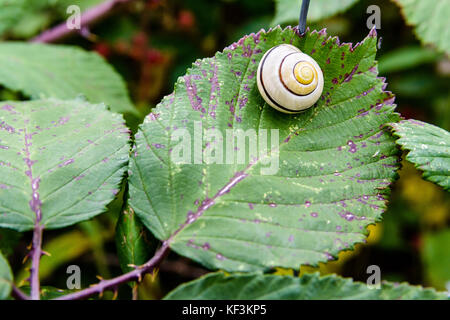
pixel 305 73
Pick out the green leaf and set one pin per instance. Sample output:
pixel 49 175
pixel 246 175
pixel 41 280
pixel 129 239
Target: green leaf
pixel 218 286
pixel 288 11
pixel 63 160
pixel 429 19
pixel 134 243
pixel 406 58
pixel 335 161
pixel 436 257
pixel 5 278
pixel 429 149
pixel 62 72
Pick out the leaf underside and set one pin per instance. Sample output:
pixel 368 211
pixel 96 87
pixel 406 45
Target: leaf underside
pixel 5 278
pixel 63 72
pixel 218 286
pixel 335 160
pixel 61 159
pixel 429 149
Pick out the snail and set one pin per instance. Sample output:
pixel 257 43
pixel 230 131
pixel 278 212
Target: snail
pixel 289 80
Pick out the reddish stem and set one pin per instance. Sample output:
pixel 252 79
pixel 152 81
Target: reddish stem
pixel 88 18
pixel 36 253
pixel 18 294
pixel 136 274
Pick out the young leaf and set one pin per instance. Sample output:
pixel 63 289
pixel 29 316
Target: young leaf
pixel 134 243
pixel 429 149
pixel 430 20
pixel 218 286
pixel 5 278
pixel 61 161
pixel 62 72
pixel 287 11
pixel 335 161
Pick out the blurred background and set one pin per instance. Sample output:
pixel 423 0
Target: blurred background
pixel 151 43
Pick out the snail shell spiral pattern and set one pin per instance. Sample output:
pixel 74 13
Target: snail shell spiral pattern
pixel 289 80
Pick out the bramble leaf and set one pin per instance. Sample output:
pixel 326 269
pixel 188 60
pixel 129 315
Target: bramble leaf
pixel 62 161
pixel 218 286
pixel 63 72
pixel 333 163
pixel 430 20
pixel 429 149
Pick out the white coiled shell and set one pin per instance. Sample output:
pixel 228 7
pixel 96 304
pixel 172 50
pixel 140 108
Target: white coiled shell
pixel 289 80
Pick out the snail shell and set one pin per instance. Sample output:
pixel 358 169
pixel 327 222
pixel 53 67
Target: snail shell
pixel 289 80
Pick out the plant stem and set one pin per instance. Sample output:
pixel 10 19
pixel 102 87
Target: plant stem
pixel 36 253
pixel 88 18
pixel 136 274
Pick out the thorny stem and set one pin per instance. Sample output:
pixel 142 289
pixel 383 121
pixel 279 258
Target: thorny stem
pixel 136 274
pixel 36 253
pixel 88 18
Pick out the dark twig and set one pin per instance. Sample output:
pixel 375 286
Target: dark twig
pixel 18 294
pixel 303 16
pixel 135 275
pixel 88 18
